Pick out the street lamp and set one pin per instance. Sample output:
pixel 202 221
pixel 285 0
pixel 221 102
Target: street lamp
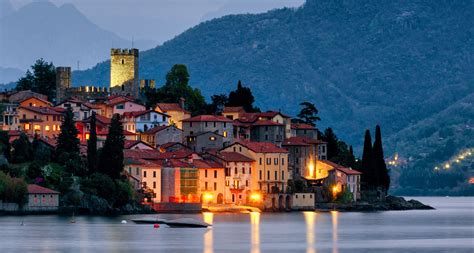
pixel 208 198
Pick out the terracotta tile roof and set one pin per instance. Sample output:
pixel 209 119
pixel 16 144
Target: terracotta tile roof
pixel 106 132
pixel 301 141
pixel 99 118
pixel 114 100
pixel 50 142
pixel 233 109
pixel 36 97
pixel 179 154
pixel 202 164
pixel 141 162
pixel 128 144
pixel 341 168
pixel 139 113
pixel 233 157
pixel 271 114
pixel 41 110
pixel 141 154
pixel 262 147
pixel 165 107
pixel 36 189
pixel 302 126
pixel 266 123
pixel 155 129
pixel 208 118
pixel 170 144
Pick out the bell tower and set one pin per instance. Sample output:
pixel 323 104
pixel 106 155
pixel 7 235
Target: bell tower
pixel 124 71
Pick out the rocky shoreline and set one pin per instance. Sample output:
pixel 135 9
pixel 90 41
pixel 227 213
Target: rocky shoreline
pixel 389 203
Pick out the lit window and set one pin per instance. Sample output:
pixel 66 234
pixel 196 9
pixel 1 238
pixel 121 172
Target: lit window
pixel 224 133
pixel 37 127
pixel 212 138
pixel 87 136
pixel 46 128
pixel 54 127
pixel 27 126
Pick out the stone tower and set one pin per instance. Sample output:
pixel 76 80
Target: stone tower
pixel 63 83
pixel 124 71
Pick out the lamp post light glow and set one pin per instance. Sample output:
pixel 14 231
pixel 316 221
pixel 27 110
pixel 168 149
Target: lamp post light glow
pixel 208 198
pixel 256 197
pixel 311 169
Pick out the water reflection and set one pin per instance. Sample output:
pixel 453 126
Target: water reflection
pixel 334 216
pixel 255 235
pixel 208 236
pixel 310 218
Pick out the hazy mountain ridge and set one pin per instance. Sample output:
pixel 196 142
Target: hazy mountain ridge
pixel 362 62
pixel 59 34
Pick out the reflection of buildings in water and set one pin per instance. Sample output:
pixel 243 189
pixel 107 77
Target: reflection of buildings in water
pixel 208 236
pixel 334 216
pixel 255 236
pixel 310 218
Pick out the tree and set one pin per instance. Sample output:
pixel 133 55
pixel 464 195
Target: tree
pixel 42 80
pixel 92 146
pixel 242 96
pixel 67 150
pixel 383 179
pixel 111 156
pixel 330 137
pixel 67 139
pixel 217 104
pixel 175 88
pixel 368 167
pixel 22 150
pixel 308 114
pixel 5 146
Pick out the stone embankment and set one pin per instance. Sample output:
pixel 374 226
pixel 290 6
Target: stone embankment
pixel 390 203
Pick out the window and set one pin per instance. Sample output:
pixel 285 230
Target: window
pixel 269 161
pixel 190 124
pixel 215 186
pixel 54 127
pixel 240 149
pixel 37 127
pixel 250 170
pixel 276 161
pixel 144 173
pixel 214 124
pixel 224 133
pixel 27 126
pixel 266 128
pixel 46 128
pixel 268 175
pixel 260 176
pixel 235 171
pixel 283 161
pixel 154 185
pixel 205 123
pixel 120 107
pixel 227 183
pixel 137 171
pixel 205 185
pixel 234 149
pixel 311 196
pixel 303 195
pixel 266 137
pixel 154 173
pixel 276 175
pixel 123 61
pixel 243 170
pixel 282 175
pixel 212 138
pixel 205 173
pixel 260 161
pixel 246 183
pixel 225 124
pixel 215 173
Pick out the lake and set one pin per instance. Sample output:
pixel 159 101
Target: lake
pixel 450 228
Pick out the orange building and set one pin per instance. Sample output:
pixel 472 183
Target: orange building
pixel 176 112
pixel 35 102
pixel 43 121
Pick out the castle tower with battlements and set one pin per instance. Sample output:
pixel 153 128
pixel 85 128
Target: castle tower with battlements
pixel 124 77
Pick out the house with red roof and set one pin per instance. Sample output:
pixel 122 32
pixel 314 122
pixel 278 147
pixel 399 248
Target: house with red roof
pixel 136 145
pixel 121 105
pixel 233 112
pixel 141 121
pixel 270 174
pixel 41 199
pixel 43 121
pixel 304 130
pixel 176 111
pixel 144 175
pixel 216 124
pixel 238 171
pixel 303 152
pixel 160 135
pixel 102 124
pixel 340 179
pixel 80 108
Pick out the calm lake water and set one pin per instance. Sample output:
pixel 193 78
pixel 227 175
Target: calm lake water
pixel 450 228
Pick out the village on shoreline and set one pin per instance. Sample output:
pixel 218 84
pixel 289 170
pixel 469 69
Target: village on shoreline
pixel 136 148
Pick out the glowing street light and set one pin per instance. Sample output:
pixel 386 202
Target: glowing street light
pixel 256 197
pixel 208 198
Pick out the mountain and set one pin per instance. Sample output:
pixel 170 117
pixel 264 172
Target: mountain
pixel 10 74
pixel 400 64
pixel 59 34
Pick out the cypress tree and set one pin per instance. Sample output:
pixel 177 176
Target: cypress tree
pixel 67 139
pixel 367 166
pixel 383 179
pixel 111 156
pixel 92 146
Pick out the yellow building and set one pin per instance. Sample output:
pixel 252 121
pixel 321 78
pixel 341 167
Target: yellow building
pixel 144 175
pixel 176 112
pixel 211 188
pixel 43 121
pixel 124 71
pixel 270 174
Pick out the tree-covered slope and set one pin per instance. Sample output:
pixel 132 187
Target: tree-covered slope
pixel 361 62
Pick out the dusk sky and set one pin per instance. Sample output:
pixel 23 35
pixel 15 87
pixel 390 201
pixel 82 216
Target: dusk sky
pixel 161 20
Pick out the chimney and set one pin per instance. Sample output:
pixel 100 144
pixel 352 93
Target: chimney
pixel 181 103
